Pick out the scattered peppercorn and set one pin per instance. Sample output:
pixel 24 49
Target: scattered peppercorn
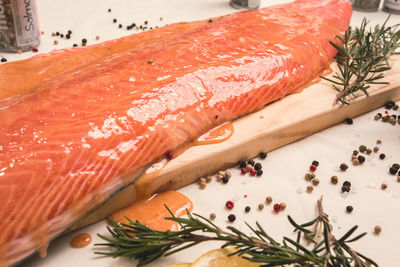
pixel 208 178
pixel 229 204
pixel 74 45
pixel 377 230
pixel 310 188
pixel 202 185
pixel 253 172
pixel 355 152
pixel 355 161
pixel 362 148
pixel 268 199
pixel 398 177
pixel 55 42
pixel 385 119
pixel 377 117
pixel 57 33
pixel 382 156
pixel 202 180
pixel 259 172
pixel 243 170
pixel 260 206
pixel 150 61
pixel 277 207
pixel 334 179
pixel 369 151
pixel 251 162
pixel 315 181
pixel 68 36
pixel 120 26
pixel 210 20
pixel 53 34
pixel 228 174
pixel 396 107
pixel 109 10
pixel 376 149
pixel 345 188
pixel 169 155
pixel 378 142
pixel 231 217
pixel 313 168
pixel 69 32
pixel 212 216
pixel 316 163
pixel 225 180
pixel 219 177
pixel 383 186
pixel 396 165
pixel 392 120
pixel 283 206
pixel 35 49
pixel 389 105
pixel 346 183
pixel 262 155
pixel 349 209
pixel 84 41
pixel 393 170
pixel 247 209
pixel 361 159
pixel 62 35
pixel 241 164
pixel 115 20
pixel 249 167
pixel 3 59
pixel 348 121
pixel 257 166
pixel 343 166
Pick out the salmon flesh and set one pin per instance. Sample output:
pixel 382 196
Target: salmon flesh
pixel 80 124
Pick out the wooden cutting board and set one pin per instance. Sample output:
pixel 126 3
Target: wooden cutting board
pixel 280 123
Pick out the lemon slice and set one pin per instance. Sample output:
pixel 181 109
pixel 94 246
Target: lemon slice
pixel 220 258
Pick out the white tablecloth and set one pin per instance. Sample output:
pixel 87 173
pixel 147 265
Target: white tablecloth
pixel 284 168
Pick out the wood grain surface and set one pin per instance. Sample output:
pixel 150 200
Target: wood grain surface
pixel 280 123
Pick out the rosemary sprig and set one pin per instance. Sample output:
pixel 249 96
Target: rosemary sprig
pixel 135 240
pixel 363 58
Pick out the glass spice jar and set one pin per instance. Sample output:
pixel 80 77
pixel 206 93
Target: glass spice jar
pixel 366 5
pixel 392 6
pixel 245 4
pixel 19 29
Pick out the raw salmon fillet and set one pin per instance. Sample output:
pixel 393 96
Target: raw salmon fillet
pixel 78 138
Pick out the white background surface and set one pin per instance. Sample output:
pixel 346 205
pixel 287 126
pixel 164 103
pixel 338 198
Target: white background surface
pixel 284 168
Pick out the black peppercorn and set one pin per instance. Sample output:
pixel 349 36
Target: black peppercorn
pixel 247 209
pixel 343 166
pixel 345 188
pixel 396 165
pixel 84 41
pixel 361 159
pixel 242 164
pixel 355 152
pixel 349 209
pixel 348 121
pixel 316 163
pixel 393 170
pixel 382 156
pixel 389 105
pixel 259 172
pixel 3 60
pixel 69 32
pixel 109 10
pixel 128 27
pixel 225 180
pixel 68 36
pixel 346 183
pixel 258 166
pixel 231 217
pixel 62 35
pixel 210 20
pixel 74 45
pixel 251 162
pixel 262 155
pixel 120 26
pixel 115 20
pixel 57 33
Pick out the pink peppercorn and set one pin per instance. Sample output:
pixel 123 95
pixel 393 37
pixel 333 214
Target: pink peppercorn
pixel 243 170
pixel 313 168
pixel 169 155
pixel 253 172
pixel 35 49
pixel 277 207
pixel 229 205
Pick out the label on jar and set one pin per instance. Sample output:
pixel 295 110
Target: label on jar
pixel 18 25
pixel 392 4
pixel 25 22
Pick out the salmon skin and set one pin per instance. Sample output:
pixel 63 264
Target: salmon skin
pixel 79 137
